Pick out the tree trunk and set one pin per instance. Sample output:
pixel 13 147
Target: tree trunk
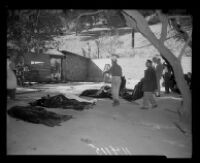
pixel 185 112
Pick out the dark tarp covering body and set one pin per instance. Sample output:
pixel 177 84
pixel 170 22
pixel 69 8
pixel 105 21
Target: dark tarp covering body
pixel 35 112
pixel 136 94
pixel 105 92
pixel 60 101
pixel 37 115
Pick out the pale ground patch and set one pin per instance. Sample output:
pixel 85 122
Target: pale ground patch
pixel 103 130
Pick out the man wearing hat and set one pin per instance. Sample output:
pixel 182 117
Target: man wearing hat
pixel 116 72
pixel 149 85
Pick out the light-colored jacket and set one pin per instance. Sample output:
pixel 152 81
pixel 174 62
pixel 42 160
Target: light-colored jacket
pixel 159 70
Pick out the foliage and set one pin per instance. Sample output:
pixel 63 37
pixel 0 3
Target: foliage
pixel 31 28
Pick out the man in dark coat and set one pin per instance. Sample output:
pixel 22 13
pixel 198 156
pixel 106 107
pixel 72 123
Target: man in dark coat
pixel 149 86
pixel 166 77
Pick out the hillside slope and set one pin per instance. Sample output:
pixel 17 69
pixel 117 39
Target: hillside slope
pixel 142 47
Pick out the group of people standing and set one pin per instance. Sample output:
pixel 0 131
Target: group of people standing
pixel 151 81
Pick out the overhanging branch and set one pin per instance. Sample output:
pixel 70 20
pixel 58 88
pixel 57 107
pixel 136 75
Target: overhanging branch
pixel 164 20
pixel 141 23
pixel 130 21
pixel 184 47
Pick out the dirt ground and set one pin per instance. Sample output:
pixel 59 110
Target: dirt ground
pixel 103 130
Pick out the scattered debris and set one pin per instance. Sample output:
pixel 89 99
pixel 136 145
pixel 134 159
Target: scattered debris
pixel 184 131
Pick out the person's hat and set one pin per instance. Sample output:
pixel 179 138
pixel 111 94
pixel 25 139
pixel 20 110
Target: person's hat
pixel 154 59
pixel 115 55
pixel 149 61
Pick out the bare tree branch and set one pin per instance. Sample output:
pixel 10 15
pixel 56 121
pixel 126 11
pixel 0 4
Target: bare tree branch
pixel 130 21
pixel 163 18
pixel 141 23
pixel 183 49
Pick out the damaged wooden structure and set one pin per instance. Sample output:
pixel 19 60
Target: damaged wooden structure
pixel 56 66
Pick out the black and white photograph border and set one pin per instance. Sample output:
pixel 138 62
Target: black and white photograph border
pixel 99 82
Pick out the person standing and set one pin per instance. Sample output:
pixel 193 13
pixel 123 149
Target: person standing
pixel 116 72
pixel 166 77
pixel 188 78
pixel 159 71
pixel 20 74
pixel 149 86
pixel 154 62
pixel 11 80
